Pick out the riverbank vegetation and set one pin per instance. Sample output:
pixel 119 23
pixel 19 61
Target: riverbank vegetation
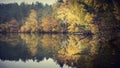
pixel 64 16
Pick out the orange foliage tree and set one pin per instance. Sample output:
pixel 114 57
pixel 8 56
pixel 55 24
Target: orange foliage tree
pixel 50 24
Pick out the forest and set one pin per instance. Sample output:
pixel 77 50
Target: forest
pixel 76 33
pixel 64 16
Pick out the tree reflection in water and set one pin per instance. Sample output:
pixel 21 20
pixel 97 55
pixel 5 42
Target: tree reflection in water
pixel 65 49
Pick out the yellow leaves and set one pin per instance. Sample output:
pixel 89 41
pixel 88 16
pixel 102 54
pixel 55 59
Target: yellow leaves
pixel 77 47
pixel 76 29
pixel 71 28
pixel 89 2
pixel 93 28
pixel 50 42
pixel 31 41
pixel 66 15
pixel 31 24
pixel 46 24
pixel 50 24
pixel 33 14
pixel 12 39
pixel 89 17
pixel 62 12
pixel 63 47
pixel 71 48
pixel 74 14
pixel 25 28
pixel 46 41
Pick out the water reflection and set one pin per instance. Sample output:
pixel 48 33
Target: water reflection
pixel 66 50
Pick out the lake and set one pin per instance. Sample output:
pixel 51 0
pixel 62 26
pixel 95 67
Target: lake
pixel 56 51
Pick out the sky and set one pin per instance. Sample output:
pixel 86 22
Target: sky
pixel 28 1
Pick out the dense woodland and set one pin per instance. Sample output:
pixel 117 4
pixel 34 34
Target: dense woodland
pixel 98 20
pixel 95 16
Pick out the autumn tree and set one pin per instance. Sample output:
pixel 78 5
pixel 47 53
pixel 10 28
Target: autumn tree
pixel 74 13
pixel 50 24
pixel 4 27
pixel 31 24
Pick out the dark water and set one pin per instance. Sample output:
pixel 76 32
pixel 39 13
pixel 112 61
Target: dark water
pixel 56 51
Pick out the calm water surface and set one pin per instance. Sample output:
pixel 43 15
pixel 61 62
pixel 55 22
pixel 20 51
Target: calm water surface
pixel 56 51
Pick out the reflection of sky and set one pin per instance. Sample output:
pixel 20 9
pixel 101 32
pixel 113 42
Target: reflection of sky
pixel 28 1
pixel 30 64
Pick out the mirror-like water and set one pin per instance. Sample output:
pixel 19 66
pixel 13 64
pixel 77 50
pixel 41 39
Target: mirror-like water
pixel 55 51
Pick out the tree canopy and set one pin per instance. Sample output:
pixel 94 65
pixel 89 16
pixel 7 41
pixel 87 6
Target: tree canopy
pixel 63 16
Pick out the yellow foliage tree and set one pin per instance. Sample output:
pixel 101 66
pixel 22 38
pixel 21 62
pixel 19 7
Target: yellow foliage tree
pixel 50 24
pixel 75 13
pixel 31 24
